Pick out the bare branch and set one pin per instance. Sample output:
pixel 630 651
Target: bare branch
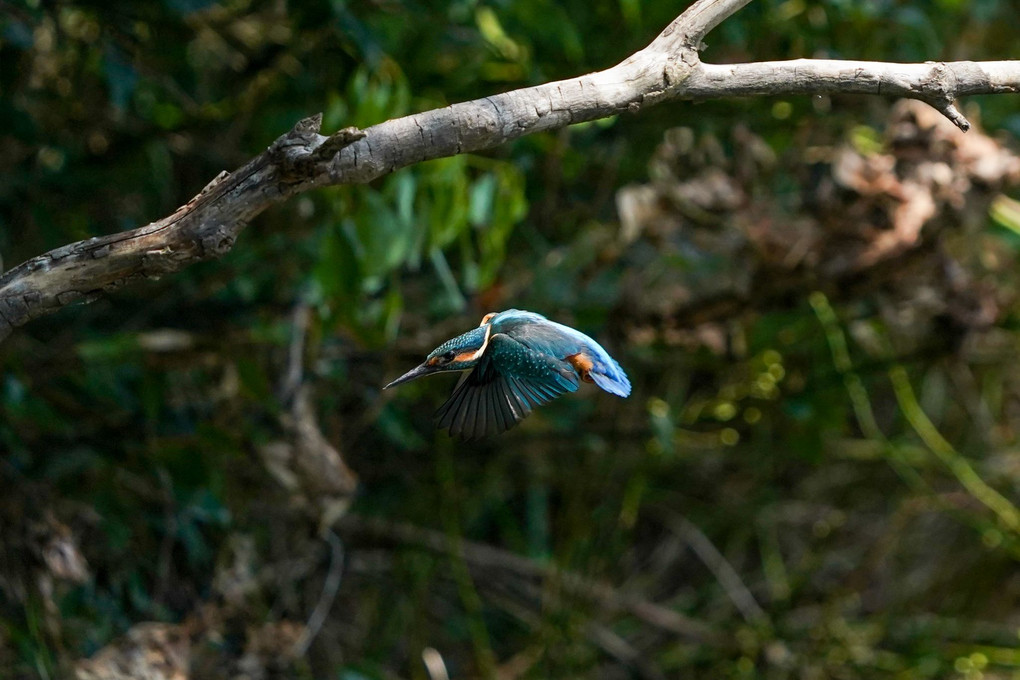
pixel 485 557
pixel 668 69
pixel 204 228
pixel 325 603
pixel 691 27
pixel 935 83
pixel 717 563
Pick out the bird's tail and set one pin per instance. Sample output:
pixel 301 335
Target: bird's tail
pixel 610 377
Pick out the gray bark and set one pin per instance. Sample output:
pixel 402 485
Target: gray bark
pixel 302 159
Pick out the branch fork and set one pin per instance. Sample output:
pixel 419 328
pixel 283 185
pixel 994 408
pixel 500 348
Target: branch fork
pixel 300 150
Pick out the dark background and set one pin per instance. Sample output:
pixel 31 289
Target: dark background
pixel 815 299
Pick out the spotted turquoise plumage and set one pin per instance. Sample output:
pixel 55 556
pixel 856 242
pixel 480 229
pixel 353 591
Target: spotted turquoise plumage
pixel 517 360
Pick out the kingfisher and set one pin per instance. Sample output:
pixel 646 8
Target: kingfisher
pixel 515 360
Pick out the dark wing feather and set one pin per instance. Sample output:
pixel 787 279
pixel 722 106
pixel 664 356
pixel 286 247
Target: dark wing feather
pixel 508 382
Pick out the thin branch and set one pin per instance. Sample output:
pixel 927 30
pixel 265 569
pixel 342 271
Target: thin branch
pixel 717 563
pixel 434 664
pixel 667 69
pixel 691 27
pixel 329 590
pixel 936 83
pixel 617 647
pixel 487 557
pixel 294 376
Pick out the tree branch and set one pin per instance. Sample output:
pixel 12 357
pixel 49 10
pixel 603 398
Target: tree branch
pixel 302 159
pixel 691 27
pixel 480 556
pixel 938 84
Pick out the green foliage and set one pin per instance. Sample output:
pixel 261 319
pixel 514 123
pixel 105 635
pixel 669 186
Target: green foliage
pixel 462 204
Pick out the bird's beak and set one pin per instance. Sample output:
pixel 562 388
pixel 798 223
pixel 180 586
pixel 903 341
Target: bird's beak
pixel 418 372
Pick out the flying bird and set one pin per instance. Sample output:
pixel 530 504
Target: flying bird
pixel 516 360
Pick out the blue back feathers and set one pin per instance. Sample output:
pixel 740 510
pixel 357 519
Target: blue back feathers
pixel 559 341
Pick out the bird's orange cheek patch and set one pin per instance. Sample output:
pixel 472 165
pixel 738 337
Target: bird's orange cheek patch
pixel 464 356
pixel 582 363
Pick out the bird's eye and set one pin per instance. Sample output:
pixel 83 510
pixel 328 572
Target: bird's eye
pixel 448 357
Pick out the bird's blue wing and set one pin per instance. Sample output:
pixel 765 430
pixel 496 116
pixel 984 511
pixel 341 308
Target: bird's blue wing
pixel 501 391
pixel 555 339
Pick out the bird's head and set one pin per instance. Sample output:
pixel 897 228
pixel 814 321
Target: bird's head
pixel 458 354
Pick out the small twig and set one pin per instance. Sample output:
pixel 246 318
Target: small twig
pixel 487 557
pixel 978 488
pixel 294 376
pixel 624 652
pixel 335 142
pixel 303 148
pixel 691 27
pixel 326 599
pixel 720 567
pixel 434 664
pixel 949 110
pixel 612 644
pixel 166 545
